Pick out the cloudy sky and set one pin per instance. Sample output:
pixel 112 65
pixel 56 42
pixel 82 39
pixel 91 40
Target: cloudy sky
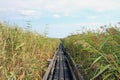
pixel 60 17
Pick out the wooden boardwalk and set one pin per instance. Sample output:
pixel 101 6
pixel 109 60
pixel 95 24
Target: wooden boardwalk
pixel 60 67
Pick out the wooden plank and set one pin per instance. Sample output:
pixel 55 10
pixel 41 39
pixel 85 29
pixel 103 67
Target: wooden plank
pixel 61 75
pixel 51 66
pixel 53 61
pixel 67 74
pixel 56 71
pixel 75 72
pixel 52 70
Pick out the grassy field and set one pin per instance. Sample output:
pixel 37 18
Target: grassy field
pixel 23 54
pixel 98 53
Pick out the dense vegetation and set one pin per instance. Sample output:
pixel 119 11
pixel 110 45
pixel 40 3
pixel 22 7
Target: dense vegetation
pixel 98 53
pixel 23 54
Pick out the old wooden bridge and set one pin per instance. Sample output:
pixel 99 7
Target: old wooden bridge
pixel 62 67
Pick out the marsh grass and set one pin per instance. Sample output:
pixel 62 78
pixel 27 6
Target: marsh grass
pixel 97 52
pixel 23 54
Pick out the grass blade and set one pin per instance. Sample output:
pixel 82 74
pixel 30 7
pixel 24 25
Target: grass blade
pixel 101 71
pixel 96 60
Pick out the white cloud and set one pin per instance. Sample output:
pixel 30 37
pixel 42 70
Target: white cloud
pixel 76 5
pixel 6 9
pixel 56 16
pixel 34 8
pixel 27 12
pixel 92 17
pixel 66 14
pixel 62 5
pixel 98 24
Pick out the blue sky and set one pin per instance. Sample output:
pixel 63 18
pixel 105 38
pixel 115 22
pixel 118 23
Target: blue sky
pixel 62 17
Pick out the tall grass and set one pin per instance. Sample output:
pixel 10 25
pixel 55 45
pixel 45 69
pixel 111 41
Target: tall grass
pixel 23 54
pixel 97 52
